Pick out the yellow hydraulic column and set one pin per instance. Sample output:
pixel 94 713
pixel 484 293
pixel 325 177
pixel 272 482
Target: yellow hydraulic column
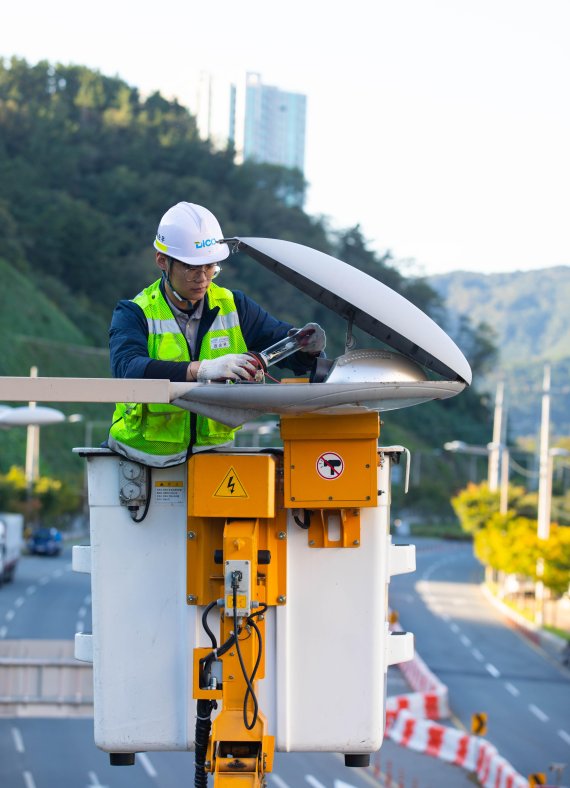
pixel 236 555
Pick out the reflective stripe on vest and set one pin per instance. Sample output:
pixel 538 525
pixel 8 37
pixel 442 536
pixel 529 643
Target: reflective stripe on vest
pixel 159 435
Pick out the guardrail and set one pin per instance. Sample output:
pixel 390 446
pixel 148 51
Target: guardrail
pixel 41 678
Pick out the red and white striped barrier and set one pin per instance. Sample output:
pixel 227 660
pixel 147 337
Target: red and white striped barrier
pixel 454 746
pixel 427 705
pixel 431 698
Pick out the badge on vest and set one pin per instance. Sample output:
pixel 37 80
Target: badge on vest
pixel 217 343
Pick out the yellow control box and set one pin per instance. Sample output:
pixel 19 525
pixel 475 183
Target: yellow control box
pixel 231 485
pixel 330 461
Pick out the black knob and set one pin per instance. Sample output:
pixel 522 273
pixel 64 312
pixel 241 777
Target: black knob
pixel 122 758
pixel 360 759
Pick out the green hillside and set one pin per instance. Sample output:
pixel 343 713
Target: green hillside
pixel 37 333
pixel 87 167
pixel 529 313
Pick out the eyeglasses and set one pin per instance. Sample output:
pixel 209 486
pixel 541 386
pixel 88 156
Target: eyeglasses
pixel 193 273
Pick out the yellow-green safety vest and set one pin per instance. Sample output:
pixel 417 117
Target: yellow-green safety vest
pixel 159 435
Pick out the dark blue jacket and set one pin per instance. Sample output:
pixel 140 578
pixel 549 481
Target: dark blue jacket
pixel 128 340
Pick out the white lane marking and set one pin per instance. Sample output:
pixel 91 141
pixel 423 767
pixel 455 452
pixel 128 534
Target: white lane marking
pixel 44 580
pixel 313 781
pixel 30 590
pixel 445 616
pixel 477 654
pixel 3 631
pixel 465 640
pixel 79 626
pixel 454 628
pixel 69 567
pixel 87 600
pixel 82 612
pixel 95 780
pixel 512 689
pixel 278 781
pixel 10 615
pixel 18 741
pixel 19 601
pixel 538 713
pixel 147 765
pixel 57 573
pixel 492 670
pixel 29 780
pixel 565 736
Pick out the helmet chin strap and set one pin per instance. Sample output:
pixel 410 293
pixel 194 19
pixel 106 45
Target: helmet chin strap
pixel 166 277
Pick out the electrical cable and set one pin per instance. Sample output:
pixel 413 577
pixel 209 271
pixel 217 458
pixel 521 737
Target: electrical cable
pixel 305 523
pixel 519 468
pixel 252 677
pixel 147 502
pixel 248 679
pixel 205 624
pixel 204 708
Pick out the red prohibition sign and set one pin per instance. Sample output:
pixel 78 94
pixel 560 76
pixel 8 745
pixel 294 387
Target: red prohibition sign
pixel 330 465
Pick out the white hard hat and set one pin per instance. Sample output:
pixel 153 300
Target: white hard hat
pixel 190 233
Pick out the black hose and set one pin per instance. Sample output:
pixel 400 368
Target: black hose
pixel 205 624
pixel 204 710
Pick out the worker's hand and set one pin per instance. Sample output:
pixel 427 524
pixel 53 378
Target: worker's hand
pixel 231 367
pixel 312 337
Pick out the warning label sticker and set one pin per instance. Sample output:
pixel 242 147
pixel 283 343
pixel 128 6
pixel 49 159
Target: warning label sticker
pixel 231 487
pixel 169 492
pixel 330 465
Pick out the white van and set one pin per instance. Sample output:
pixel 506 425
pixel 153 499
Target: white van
pixel 11 544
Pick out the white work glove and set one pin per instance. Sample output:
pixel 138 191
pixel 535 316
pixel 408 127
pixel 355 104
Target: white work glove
pixel 231 367
pixel 314 340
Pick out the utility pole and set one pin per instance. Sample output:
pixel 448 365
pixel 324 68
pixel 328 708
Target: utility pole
pixel 496 446
pixel 544 493
pixel 504 496
pixel 544 474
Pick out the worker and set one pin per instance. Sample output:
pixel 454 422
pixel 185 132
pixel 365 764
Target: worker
pixel 184 327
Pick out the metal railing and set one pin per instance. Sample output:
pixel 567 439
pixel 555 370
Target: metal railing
pixel 41 678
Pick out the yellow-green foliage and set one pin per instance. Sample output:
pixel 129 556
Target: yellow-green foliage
pixel 474 505
pixel 50 500
pixel 511 545
pixel 509 542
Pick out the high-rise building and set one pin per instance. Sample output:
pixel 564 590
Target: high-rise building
pixel 262 122
pixel 275 122
pixel 215 109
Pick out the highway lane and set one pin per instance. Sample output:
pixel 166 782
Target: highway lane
pixel 36 753
pixel 486 664
pixel 48 601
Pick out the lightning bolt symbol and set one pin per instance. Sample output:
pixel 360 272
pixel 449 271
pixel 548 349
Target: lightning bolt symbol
pixel 231 484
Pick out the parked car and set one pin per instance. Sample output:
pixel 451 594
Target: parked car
pixel 45 541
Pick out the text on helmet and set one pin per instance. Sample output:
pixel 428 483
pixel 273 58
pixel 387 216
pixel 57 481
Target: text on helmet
pixel 205 242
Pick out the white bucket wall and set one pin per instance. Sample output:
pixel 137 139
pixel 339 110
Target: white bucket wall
pixel 326 649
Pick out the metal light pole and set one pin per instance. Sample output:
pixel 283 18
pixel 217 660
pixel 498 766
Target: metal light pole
pixel 496 446
pixel 32 447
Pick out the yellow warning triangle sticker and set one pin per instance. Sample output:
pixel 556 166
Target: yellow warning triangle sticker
pixel 231 487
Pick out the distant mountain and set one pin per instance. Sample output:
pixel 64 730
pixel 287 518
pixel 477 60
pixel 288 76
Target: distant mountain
pixel 530 314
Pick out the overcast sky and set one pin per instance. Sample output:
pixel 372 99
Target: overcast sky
pixel 441 126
